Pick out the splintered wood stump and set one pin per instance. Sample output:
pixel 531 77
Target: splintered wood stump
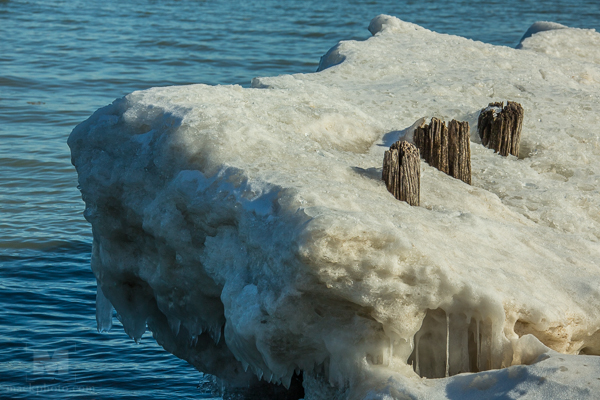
pixel 499 127
pixel 432 141
pixel 402 172
pixel 459 151
pixel 446 148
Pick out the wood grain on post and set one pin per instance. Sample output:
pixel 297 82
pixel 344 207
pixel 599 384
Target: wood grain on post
pixel 459 151
pixel 432 141
pixel 500 127
pixel 402 172
pixel 446 148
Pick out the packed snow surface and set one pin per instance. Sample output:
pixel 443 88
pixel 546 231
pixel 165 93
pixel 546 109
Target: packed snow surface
pixel 250 230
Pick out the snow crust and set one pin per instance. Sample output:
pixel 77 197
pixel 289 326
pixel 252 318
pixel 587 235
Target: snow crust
pixel 249 229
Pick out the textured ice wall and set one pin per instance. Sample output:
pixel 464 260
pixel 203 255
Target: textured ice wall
pixel 250 229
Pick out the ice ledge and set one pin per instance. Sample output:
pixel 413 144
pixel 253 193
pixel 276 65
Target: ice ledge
pixel 250 231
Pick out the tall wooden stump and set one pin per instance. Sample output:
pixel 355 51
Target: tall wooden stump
pixel 432 141
pixel 402 172
pixel 499 127
pixel 459 150
pixel 446 148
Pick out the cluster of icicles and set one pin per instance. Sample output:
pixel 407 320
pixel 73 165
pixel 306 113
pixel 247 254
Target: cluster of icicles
pixel 446 346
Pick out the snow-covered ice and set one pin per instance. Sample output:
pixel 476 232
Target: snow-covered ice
pixel 249 229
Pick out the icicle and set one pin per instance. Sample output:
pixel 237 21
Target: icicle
pixel 193 341
pixel 259 373
pixel 245 365
pixel 491 360
pixel 174 324
pixel 215 334
pixel 478 348
pixel 447 345
pixel 390 353
pixel 286 380
pixel 417 370
pixel 103 311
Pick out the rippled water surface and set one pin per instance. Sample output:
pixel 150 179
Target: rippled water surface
pixel 62 60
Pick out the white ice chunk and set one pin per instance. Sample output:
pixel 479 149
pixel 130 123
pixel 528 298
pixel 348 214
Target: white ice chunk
pixel 261 214
pixel 540 26
pixel 555 40
pixel 331 58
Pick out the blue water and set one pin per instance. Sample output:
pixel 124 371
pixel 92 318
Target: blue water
pixel 59 62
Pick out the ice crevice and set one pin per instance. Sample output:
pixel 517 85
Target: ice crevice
pixel 248 229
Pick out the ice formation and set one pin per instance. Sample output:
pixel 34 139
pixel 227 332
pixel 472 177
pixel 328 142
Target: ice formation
pixel 249 229
pixel 540 26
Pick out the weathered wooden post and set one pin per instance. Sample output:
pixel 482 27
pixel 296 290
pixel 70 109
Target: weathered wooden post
pixel 459 151
pixel 446 148
pixel 402 172
pixel 432 141
pixel 499 127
